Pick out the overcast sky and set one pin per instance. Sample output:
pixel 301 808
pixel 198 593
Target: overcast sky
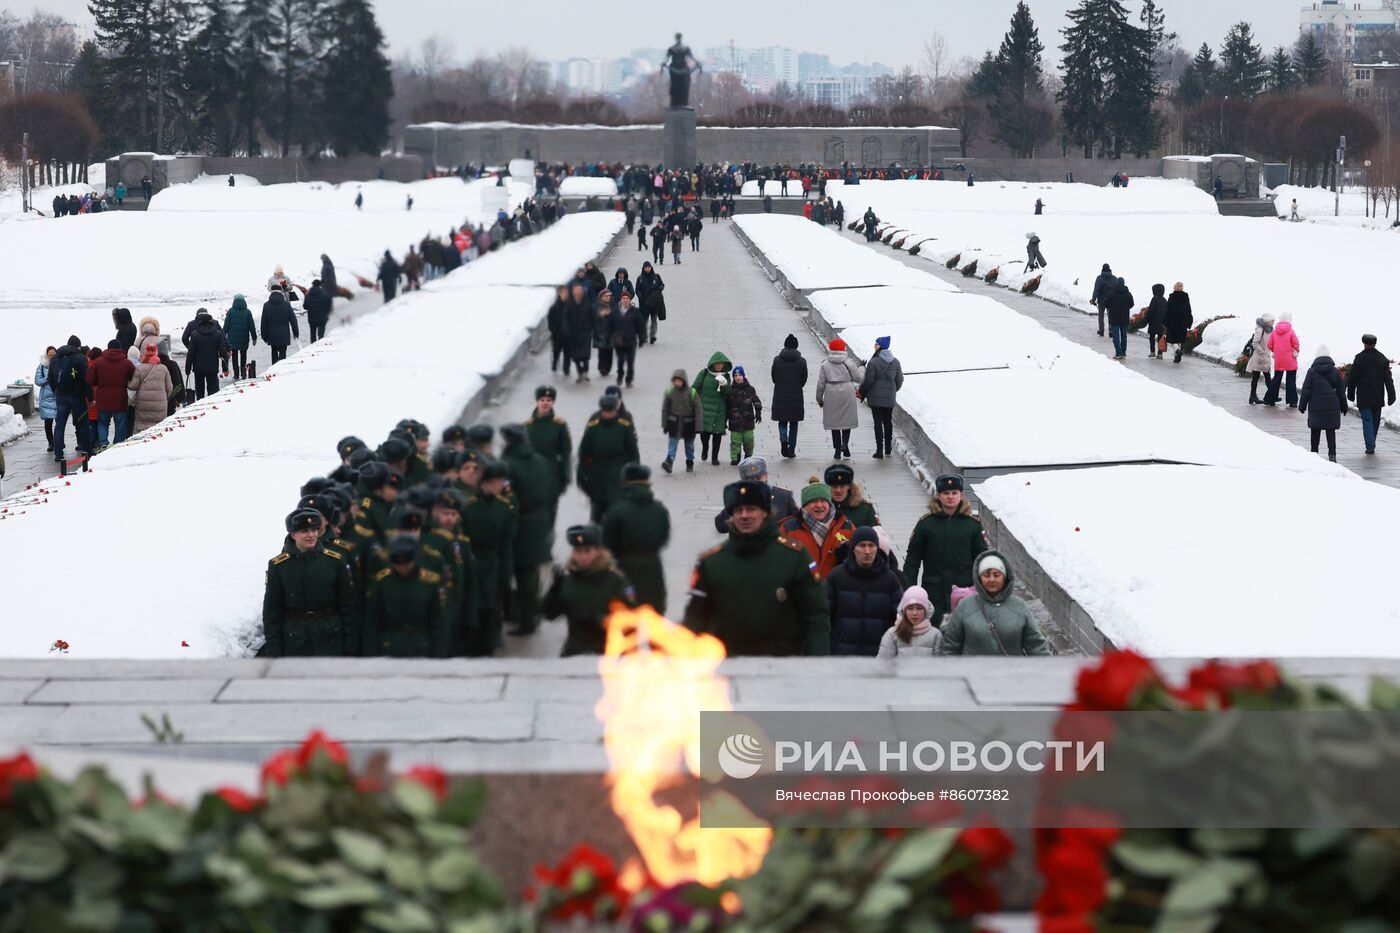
pixel 891 31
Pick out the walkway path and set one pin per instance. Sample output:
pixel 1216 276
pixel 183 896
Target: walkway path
pixel 1195 375
pixel 717 299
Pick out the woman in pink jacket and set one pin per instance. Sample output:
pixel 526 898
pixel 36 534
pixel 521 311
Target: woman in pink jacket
pixel 1283 344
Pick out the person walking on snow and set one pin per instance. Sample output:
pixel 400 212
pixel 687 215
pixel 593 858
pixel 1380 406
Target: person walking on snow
pixel 681 417
pixel 836 396
pixel 789 376
pixel 389 272
pixel 151 386
pixel 1370 386
pixel 1120 311
pixel 1099 299
pixel 677 239
pixel 279 325
pixel 913 634
pixel 240 331
pixel 651 298
pixel 1179 319
pixel 713 384
pixel 318 305
pixel 1325 393
pixel 1283 344
pixel 579 318
pixel 883 379
pixel 1261 360
pixel 1156 321
pixel 744 412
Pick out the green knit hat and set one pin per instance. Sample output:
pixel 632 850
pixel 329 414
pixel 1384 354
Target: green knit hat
pixel 816 491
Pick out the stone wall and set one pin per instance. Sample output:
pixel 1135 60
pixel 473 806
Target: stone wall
pixel 1085 171
pixel 447 145
pixel 165 171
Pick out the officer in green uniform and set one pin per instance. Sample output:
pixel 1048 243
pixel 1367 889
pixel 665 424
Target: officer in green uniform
pixel 944 544
pixel 309 606
pixel 397 452
pixel 609 443
pixel 490 522
pixel 758 592
pixel 377 480
pixel 408 522
pixel 636 529
pixel 479 437
pixel 469 473
pixel 446 463
pixel 406 616
pixel 849 497
pixel 585 591
pixel 549 435
pixel 534 487
pixel 347 447
pixel 454 437
pixel 419 466
pixel 445 536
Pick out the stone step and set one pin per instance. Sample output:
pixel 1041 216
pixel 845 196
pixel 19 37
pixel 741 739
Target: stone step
pixel 1247 207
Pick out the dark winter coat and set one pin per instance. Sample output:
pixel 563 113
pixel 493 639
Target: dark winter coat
pixel 279 321
pixel 1369 383
pixel 579 317
pixel 943 547
pixel 72 360
pixel 713 389
pixel 207 348
pixel 1323 396
pixel 636 528
pixel 789 376
pixel 650 289
pixel 631 325
pixel 1157 312
pixel 535 483
pixel 607 445
pixel 558 320
pixel 594 275
pixel 605 321
pixel 617 286
pixel 744 408
pixel 328 274
pixel 108 376
pixel 126 332
pixel 239 329
pixel 884 377
pixel 309 605
pixel 318 306
pixel 1120 305
pixel 1179 318
pixel 585 598
pixel 864 602
pixel 1103 285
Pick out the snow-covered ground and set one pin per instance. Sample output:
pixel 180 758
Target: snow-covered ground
pixel 1169 560
pixel 11 205
pixel 204 494
pixel 578 186
pixel 11 425
pixel 199 245
pixel 811 257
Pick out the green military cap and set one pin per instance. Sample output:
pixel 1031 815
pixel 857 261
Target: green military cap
pixel 420 497
pixel 480 434
pixel 348 445
pixel 546 392
pixel 454 433
pixel 450 499
pixel 395 448
pixel 360 457
pixel 395 478
pixel 403 550
pixel 838 474
pixel 494 469
pixel 636 473
pixel 305 520
pixel 948 482
pixel 374 475
pixel 609 403
pixel 513 433
pixel 418 429
pixel 584 536
pixel 409 519
pixel 445 458
pixel 322 504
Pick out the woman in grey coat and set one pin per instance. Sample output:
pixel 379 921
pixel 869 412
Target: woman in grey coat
pixel 836 396
pixel 884 377
pixel 1261 361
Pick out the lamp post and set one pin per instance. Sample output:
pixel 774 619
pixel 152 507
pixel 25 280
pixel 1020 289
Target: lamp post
pixel 1366 180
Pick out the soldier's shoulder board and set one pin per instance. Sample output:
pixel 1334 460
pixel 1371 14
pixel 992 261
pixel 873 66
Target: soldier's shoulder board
pixel 790 544
pixel 364 530
pixel 383 574
pixel 429 576
pixel 558 420
pixel 593 423
pixel 465 539
pixel 346 546
pixel 281 558
pixel 365 502
pixel 712 551
pixel 432 551
pixel 335 554
pixel 624 422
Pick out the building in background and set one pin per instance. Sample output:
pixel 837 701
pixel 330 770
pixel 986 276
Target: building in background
pixel 1351 27
pixel 1378 80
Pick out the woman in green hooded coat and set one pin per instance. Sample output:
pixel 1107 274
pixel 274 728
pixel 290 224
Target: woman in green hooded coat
pixel 239 330
pixel 712 384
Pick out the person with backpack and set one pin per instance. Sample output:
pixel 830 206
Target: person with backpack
pixel 68 371
pixel 208 354
pixel 651 296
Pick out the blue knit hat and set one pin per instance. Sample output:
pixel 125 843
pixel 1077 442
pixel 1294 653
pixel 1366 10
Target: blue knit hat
pixel 739 371
pixel 882 342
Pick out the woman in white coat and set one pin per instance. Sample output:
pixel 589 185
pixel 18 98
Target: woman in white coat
pixel 836 396
pixel 1261 361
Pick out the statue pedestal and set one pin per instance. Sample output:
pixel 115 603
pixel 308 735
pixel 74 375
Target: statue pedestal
pixel 678 148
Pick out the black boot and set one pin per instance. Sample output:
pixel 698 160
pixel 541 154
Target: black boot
pixel 667 464
pixel 879 453
pixel 690 466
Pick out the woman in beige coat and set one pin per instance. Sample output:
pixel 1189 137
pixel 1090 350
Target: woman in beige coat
pixel 1261 361
pixel 151 385
pixel 149 333
pixel 837 381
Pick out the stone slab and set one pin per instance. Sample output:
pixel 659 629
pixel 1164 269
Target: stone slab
pixel 362 689
pixel 566 722
pixel 78 669
pixel 397 667
pixel 77 692
pixel 25 725
pixel 17 691
pixel 820 693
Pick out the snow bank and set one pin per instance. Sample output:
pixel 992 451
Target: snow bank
pixel 214 484
pixel 583 187
pixel 1189 580
pixel 242 181
pixel 11 204
pixel 11 425
pixel 812 257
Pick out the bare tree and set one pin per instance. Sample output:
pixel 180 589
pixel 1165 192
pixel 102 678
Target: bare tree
pixel 521 74
pixel 435 56
pixel 935 66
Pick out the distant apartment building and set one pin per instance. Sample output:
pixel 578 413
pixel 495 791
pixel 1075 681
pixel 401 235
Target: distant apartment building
pixel 1377 80
pixel 1350 25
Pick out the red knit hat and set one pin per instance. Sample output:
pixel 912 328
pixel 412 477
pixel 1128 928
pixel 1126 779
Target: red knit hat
pixel 837 344
pixel 152 354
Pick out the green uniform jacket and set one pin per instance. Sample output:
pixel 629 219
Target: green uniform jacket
pixel 860 510
pixel 375 514
pixel 460 573
pixel 944 546
pixel 607 446
pixel 635 529
pixel 309 605
pixel 969 630
pixel 419 469
pixel 759 594
pixel 406 616
pixel 584 598
pixel 490 523
pixel 714 396
pixel 533 480
pixel 551 440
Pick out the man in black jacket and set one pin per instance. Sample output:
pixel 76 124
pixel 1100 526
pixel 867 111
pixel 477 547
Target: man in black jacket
pixel 208 353
pixel 68 379
pixel 1369 384
pixel 1120 310
pixel 863 595
pixel 318 305
pixel 278 324
pixel 1102 286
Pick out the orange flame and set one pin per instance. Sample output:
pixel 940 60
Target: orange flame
pixel 657 678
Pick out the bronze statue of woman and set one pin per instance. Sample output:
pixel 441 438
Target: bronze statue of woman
pixel 681 64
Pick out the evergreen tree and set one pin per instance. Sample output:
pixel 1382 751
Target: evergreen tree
pixel 1084 90
pixel 1243 70
pixel 212 82
pixel 1022 123
pixel 123 36
pixel 172 24
pixel 294 71
pixel 1108 90
pixel 985 82
pixel 1198 80
pixel 1130 109
pixel 1154 23
pixel 357 81
pixel 1282 77
pixel 253 41
pixel 1310 62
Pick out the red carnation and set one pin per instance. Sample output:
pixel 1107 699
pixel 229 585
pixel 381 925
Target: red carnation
pixel 1226 679
pixel 237 799
pixel 1075 880
pixel 989 845
pixel 14 771
pixel 318 742
pixel 279 768
pixel 1119 679
pixel 432 778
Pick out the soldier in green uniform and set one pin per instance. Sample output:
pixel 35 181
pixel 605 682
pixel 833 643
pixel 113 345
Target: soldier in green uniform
pixel 454 437
pixel 490 522
pixel 407 522
pixel 419 466
pixel 534 485
pixel 585 590
pixel 446 464
pixel 944 544
pixel 445 536
pixel 479 437
pixel 469 473
pixel 309 606
pixel 407 612
pixel 848 496
pixel 381 491
pixel 549 435
pixel 609 443
pixel 758 592
pixel 636 529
